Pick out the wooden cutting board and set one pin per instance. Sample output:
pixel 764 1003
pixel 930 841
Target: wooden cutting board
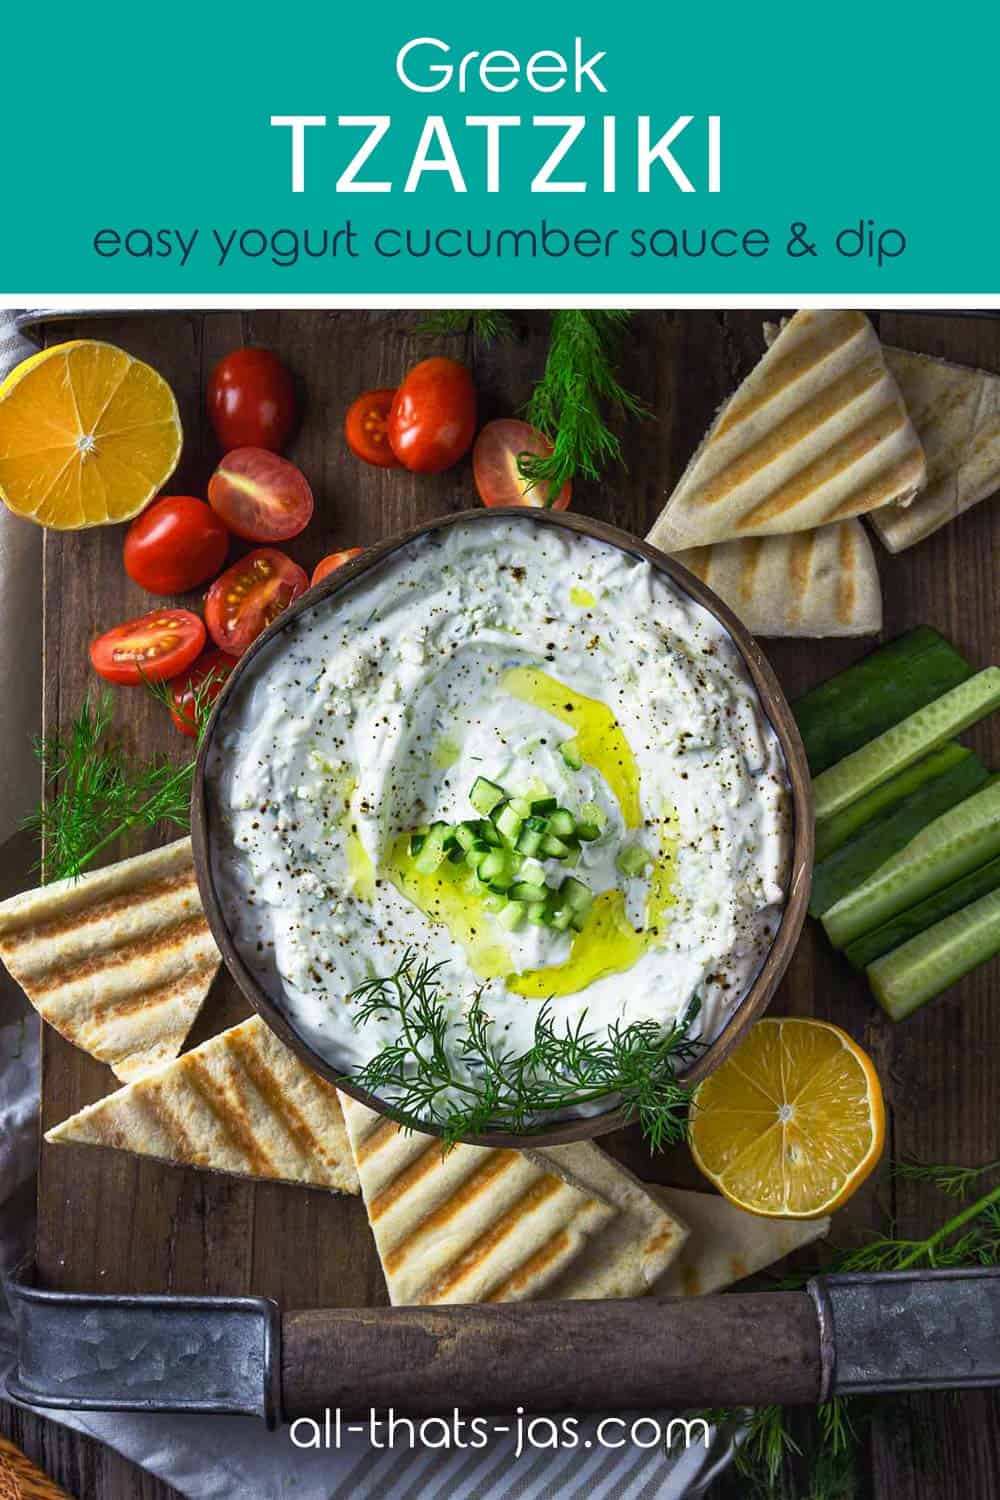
pixel 108 1222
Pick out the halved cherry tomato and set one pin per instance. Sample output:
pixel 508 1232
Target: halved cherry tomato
pixel 212 666
pixel 251 400
pixel 494 466
pixel 366 428
pixel 156 647
pixel 332 562
pixel 249 595
pixel 433 417
pixel 260 496
pixel 177 543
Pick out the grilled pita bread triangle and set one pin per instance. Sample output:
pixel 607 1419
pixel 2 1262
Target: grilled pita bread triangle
pixel 725 1243
pixel 956 411
pixel 629 1255
pixel 817 432
pixel 473 1224
pixel 809 583
pixel 118 961
pixel 241 1102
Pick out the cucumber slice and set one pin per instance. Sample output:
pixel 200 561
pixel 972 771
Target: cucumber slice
pixel 528 890
pixel 538 912
pixel 957 842
pixel 495 866
pixel 845 869
pixel 510 916
pixel 570 752
pixel 588 832
pixel 554 848
pixel 888 686
pixel 632 859
pixel 467 834
pixel 417 842
pixel 834 832
pixel 906 742
pixel 904 980
pixel 485 795
pixel 561 918
pixel 917 919
pixel 495 902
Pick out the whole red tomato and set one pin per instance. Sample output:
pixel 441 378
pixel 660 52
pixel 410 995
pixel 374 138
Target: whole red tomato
pixel 249 595
pixel 195 689
pixel 251 400
pixel 177 543
pixel 332 562
pixel 366 428
pixel 433 417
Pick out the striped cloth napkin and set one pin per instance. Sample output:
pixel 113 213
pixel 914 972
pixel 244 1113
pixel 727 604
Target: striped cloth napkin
pixel 222 1458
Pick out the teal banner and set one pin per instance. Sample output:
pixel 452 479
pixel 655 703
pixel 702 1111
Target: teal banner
pixel 524 148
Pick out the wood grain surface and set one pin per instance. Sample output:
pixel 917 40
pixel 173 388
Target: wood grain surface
pixel 108 1222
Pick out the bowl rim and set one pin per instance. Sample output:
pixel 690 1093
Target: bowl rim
pixel 776 710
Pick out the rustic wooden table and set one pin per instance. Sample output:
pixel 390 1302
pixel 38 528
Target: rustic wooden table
pixel 109 1222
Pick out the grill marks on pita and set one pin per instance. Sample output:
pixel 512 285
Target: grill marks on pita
pixel 809 583
pixel 241 1103
pixel 818 432
pixel 471 1224
pixel 119 961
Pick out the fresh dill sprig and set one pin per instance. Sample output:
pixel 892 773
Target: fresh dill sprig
pixel 97 792
pixel 465 1083
pixel 578 391
pixel 487 325
pixel 829 1443
pixel 956 1182
pixel 203 695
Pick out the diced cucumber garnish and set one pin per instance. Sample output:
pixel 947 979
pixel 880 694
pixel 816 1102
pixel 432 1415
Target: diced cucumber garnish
pixel 574 894
pixel 632 859
pixel 496 866
pixel 495 902
pixel 538 912
pixel 467 834
pixel 592 812
pixel 510 916
pixel 570 752
pixel 542 806
pixel 529 841
pixel 485 795
pixel 555 848
pixel 432 851
pixel 908 977
pixel 588 832
pixel 561 823
pixel 906 742
pixel 509 821
pixel 528 890
pixel 561 918
pixel 417 842
pixel 534 870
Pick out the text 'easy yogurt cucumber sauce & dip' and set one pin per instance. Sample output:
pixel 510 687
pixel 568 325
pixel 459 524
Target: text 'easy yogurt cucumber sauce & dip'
pixel 516 750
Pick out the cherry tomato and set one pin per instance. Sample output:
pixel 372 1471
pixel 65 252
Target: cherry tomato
pixel 260 496
pixel 156 647
pixel 366 428
pixel 332 562
pixel 249 595
pixel 494 466
pixel 251 400
pixel 433 417
pixel 213 666
pixel 177 543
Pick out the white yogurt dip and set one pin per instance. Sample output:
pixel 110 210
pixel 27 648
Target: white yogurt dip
pixel 564 672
